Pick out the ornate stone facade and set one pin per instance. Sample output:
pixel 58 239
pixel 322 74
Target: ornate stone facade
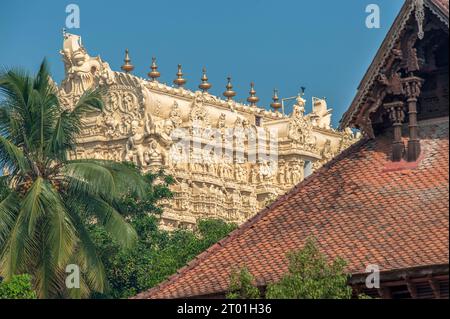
pixel 223 171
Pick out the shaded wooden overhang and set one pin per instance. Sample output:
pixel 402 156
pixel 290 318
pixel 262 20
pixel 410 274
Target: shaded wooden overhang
pixel 403 275
pixel 372 90
pixel 410 278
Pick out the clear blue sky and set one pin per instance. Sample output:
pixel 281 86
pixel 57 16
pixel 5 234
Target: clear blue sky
pixel 320 44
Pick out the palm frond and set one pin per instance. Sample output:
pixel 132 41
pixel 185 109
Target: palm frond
pixel 33 205
pixel 114 223
pixel 9 209
pixel 60 231
pixel 48 277
pixel 68 124
pixel 12 157
pixel 87 257
pixel 127 177
pixel 18 255
pixel 89 178
pixel 14 86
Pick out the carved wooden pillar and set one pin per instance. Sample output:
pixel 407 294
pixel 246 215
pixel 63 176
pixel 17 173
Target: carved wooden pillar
pixel 397 116
pixel 411 88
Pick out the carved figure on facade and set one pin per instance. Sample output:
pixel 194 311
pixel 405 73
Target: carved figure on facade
pixel 347 139
pixel 82 71
pixel 300 128
pixel 154 156
pixel 134 148
pixel 321 114
pixel 175 115
pixel 199 115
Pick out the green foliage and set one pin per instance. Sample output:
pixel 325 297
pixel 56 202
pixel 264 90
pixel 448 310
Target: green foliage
pixel 242 287
pixel 19 287
pixel 158 189
pixel 49 199
pixel 157 255
pixel 311 277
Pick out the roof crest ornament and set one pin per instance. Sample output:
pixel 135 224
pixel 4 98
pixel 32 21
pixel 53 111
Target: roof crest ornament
pixel 419 12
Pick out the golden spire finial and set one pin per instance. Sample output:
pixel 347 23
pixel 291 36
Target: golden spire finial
pixel 127 66
pixel 252 99
pixel 204 86
pixel 179 81
pixel 276 105
pixel 154 73
pixel 229 93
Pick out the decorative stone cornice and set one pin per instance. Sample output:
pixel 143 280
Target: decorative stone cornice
pixel 212 99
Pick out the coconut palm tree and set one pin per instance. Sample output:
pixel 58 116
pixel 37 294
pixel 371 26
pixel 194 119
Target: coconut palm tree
pixel 51 198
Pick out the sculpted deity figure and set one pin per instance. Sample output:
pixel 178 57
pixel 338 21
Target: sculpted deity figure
pixel 175 115
pixel 154 155
pixel 327 152
pixel 297 173
pixel 287 174
pixel 238 172
pixel 112 125
pixel 125 125
pixel 113 102
pixel 281 173
pixel 321 114
pixel 299 126
pixel 299 107
pixel 127 105
pixel 347 139
pixel 255 176
pixel 82 71
pixel 221 121
pixel 177 157
pixel 166 128
pixel 244 174
pixel 249 130
pixel 264 170
pixel 238 123
pixel 199 115
pixel 134 146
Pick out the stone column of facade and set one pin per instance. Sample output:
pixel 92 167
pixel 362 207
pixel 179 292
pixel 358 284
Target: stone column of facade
pixel 397 116
pixel 411 86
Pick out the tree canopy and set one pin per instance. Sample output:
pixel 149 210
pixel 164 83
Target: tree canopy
pixel 50 198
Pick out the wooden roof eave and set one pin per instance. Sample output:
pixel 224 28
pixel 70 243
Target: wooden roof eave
pixel 356 116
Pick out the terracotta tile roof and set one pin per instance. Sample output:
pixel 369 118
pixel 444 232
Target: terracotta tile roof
pixel 359 206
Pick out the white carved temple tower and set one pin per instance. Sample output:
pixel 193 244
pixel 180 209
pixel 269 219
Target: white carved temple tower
pixel 223 173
